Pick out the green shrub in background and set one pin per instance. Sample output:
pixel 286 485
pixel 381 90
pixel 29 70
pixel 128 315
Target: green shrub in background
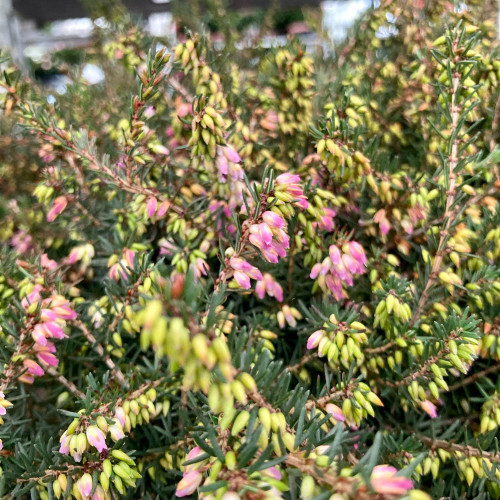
pixel 253 273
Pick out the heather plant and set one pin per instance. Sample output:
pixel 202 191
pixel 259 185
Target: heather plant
pixel 256 273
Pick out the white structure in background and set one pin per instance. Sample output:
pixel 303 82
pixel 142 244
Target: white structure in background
pixel 162 25
pixel 10 30
pixel 339 16
pixel 22 39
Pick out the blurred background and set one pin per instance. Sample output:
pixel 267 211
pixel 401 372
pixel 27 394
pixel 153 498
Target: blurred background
pixel 31 30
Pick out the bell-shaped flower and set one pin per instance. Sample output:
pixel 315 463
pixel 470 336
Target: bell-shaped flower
pixel 84 485
pixel 385 481
pixel 58 206
pixel 189 483
pixel 96 438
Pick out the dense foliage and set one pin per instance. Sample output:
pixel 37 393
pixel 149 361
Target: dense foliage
pixel 256 273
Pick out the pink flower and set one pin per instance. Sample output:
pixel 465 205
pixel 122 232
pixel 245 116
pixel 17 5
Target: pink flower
pixel 334 284
pixel 380 218
pixel 38 335
pixel 269 285
pixel 429 408
pixel 32 297
pixel 357 252
pixel 385 481
pixel 335 411
pixel 120 415
pixel 96 438
pixel 288 314
pixel 335 254
pixel 243 272
pixel 273 220
pixel 58 206
pixel 314 339
pixel 122 268
pixel 99 493
pixel 349 263
pixel 326 220
pixel 151 206
pixel 195 452
pixel 272 472
pixel 242 279
pixel 45 356
pixel 47 263
pixel 222 167
pixel 60 306
pixel 33 367
pixel 163 208
pixel 290 184
pixel 188 484
pixel 315 271
pixel 166 248
pixel 231 154
pixel 339 267
pixel 200 267
pixel 64 448
pixel 84 485
pixel 269 237
pixel 116 432
pixel 21 241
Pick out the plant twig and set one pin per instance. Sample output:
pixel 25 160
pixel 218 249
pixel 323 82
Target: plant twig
pixel 450 198
pixel 64 381
pixel 100 350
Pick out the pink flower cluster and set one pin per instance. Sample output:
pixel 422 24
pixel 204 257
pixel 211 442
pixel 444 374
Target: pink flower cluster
pixel 22 241
pixel 77 443
pixel 230 174
pixel 326 220
pixel 243 272
pixel 415 214
pixel 341 265
pixel 225 210
pixel 287 187
pixel 54 311
pixel 47 263
pixel 270 237
pixel 154 208
pixel 227 161
pixel 270 286
pixel 288 315
pixel 122 267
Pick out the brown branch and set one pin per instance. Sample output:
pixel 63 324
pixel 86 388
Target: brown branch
pixel 64 381
pixel 11 370
pixel 425 367
pixel 450 198
pixel 382 348
pixel 476 376
pixel 321 402
pixel 302 362
pixel 100 350
pixel 468 451
pixel 128 300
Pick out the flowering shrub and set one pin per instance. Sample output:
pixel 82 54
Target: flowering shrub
pixel 256 274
